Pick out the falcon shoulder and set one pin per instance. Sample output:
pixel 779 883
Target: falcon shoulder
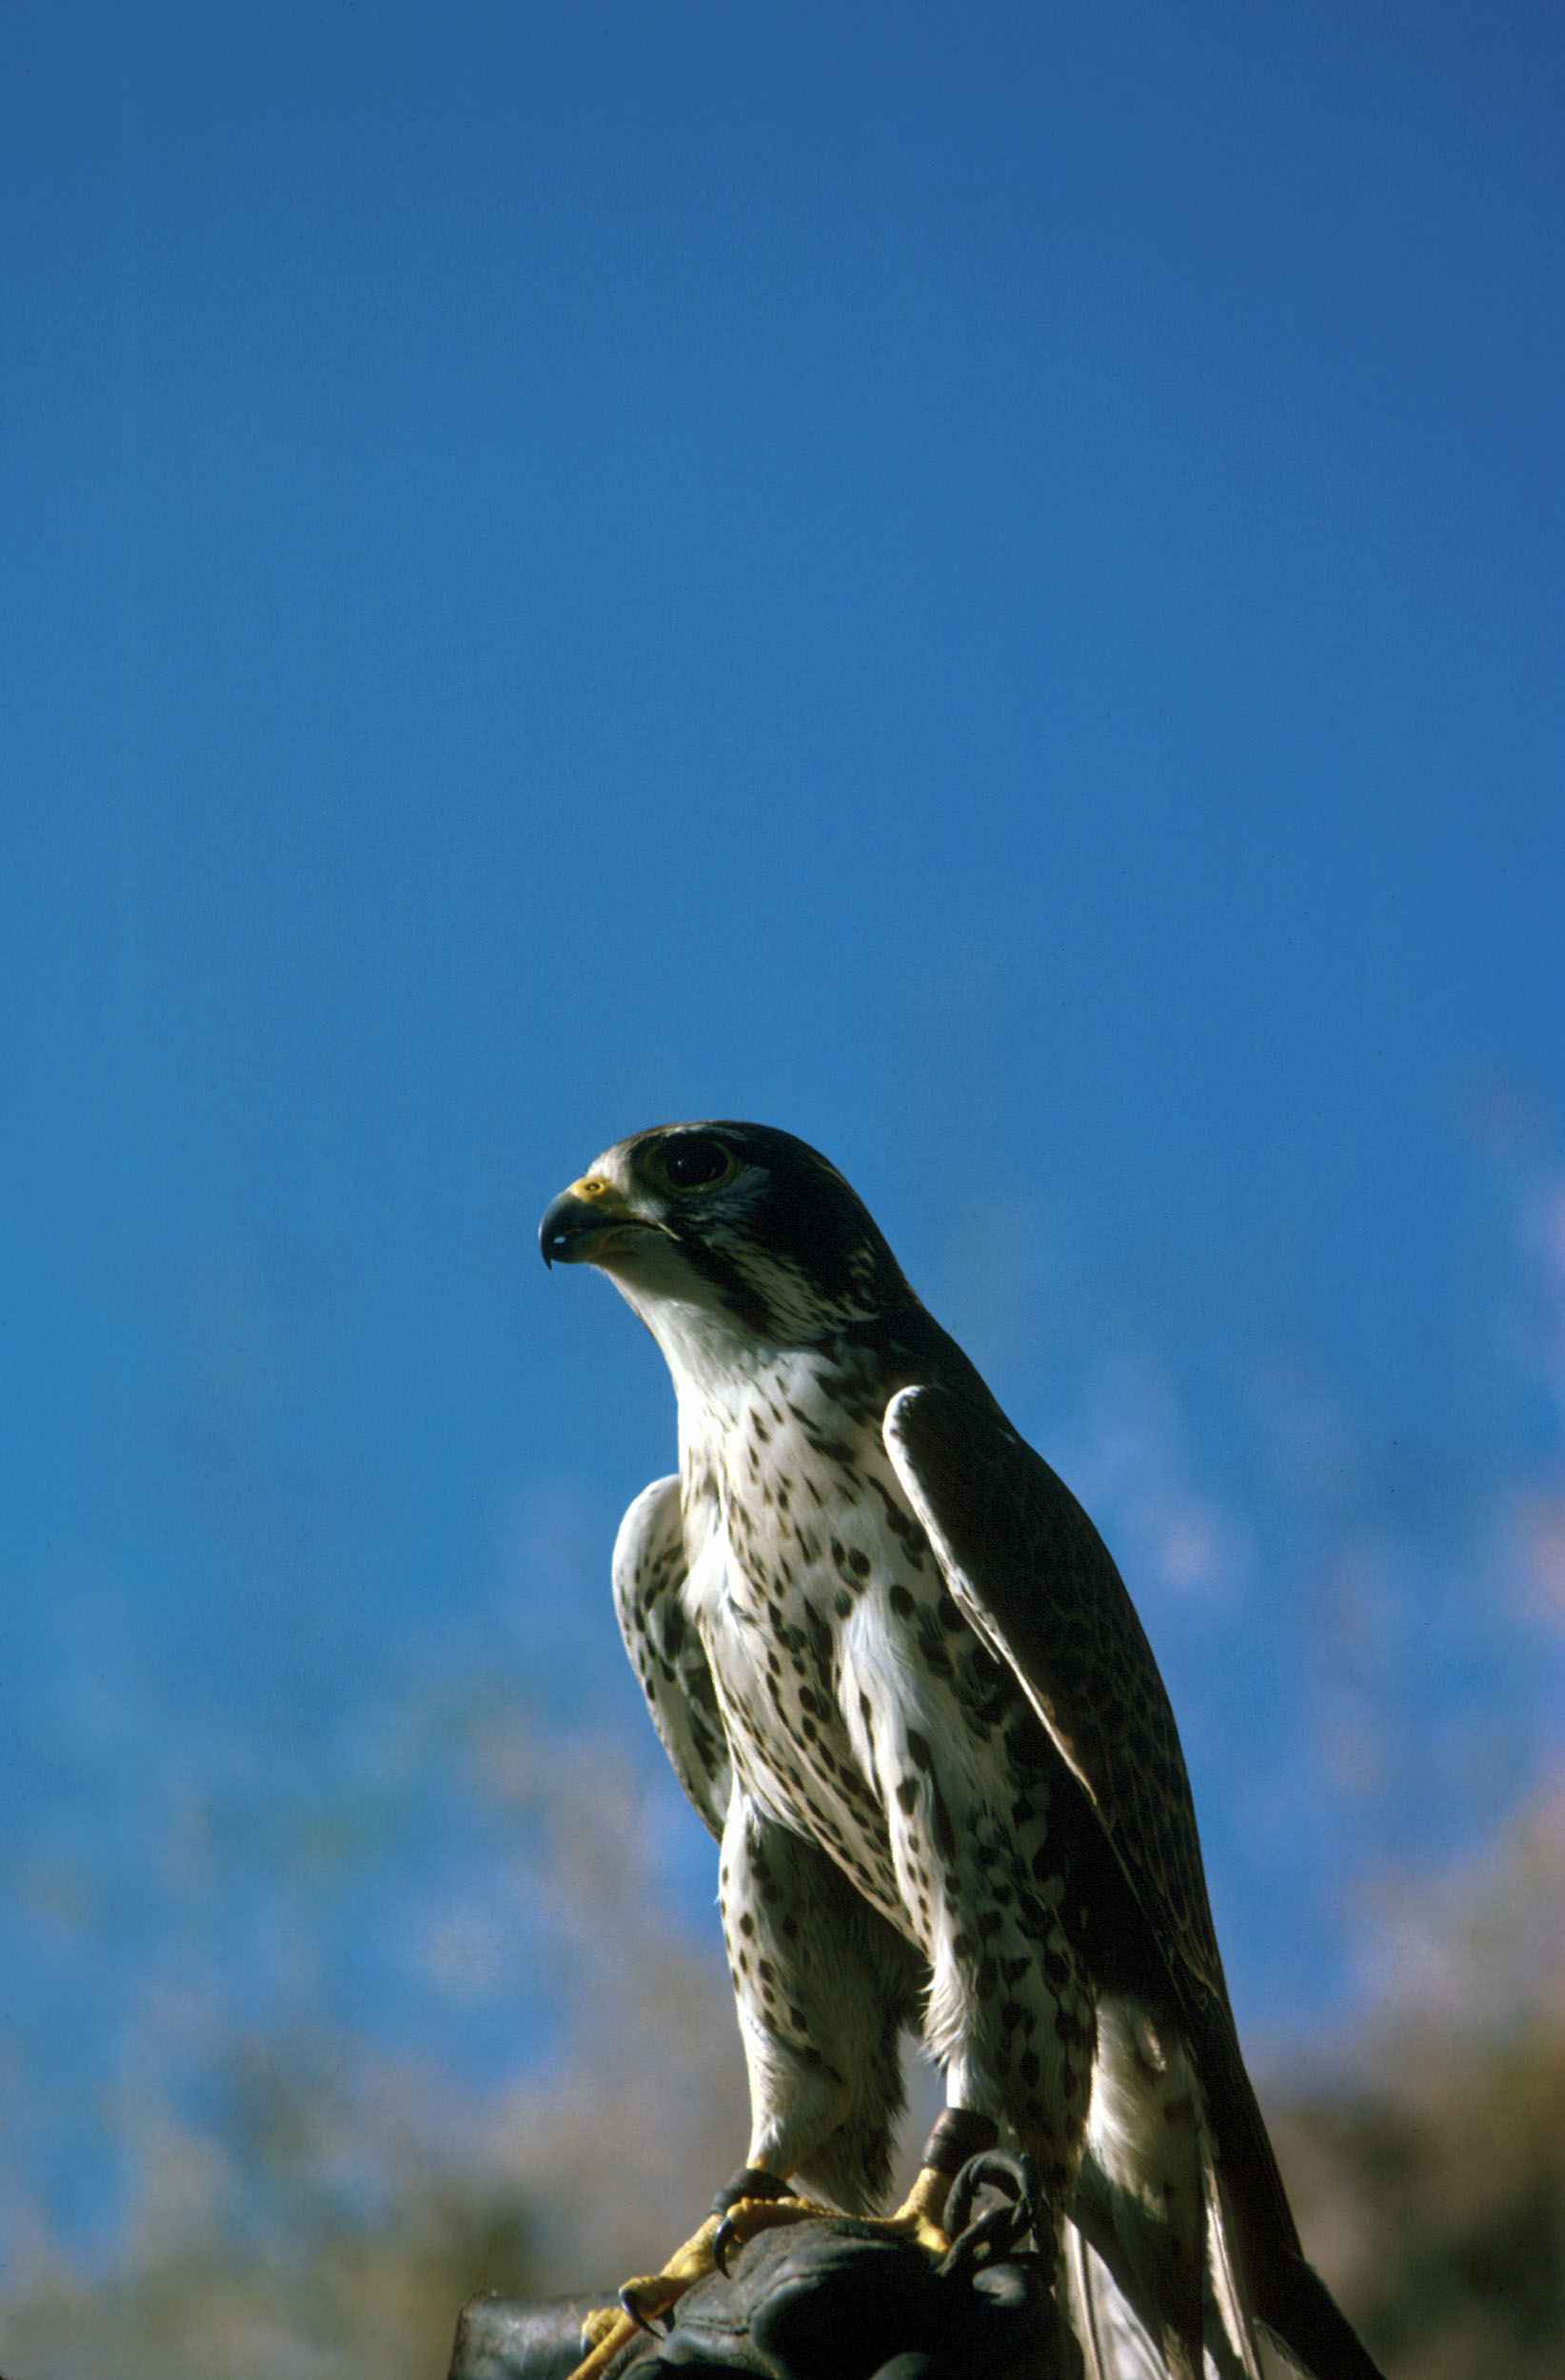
pixel 666 1652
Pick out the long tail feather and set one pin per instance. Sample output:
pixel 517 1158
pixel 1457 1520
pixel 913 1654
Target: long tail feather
pixel 1118 2326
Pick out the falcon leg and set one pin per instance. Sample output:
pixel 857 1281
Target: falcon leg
pixel 823 1987
pixel 1010 2013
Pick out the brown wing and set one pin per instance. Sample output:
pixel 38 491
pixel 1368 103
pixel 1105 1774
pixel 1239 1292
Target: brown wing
pixel 1033 1577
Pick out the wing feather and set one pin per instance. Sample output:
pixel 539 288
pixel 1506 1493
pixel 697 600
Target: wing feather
pixel 665 1650
pixel 1034 1578
pixel 1032 1575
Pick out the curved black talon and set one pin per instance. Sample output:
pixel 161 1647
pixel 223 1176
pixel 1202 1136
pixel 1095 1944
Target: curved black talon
pixel 629 2306
pixel 1002 2228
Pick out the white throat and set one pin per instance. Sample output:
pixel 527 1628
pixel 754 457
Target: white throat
pixel 711 1353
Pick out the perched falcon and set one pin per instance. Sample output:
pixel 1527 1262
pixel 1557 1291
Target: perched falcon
pixel 900 1677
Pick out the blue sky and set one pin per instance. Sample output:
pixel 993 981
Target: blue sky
pixel 982 586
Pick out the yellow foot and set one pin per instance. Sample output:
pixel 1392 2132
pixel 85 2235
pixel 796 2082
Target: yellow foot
pixel 958 2133
pixel 920 2216
pixel 644 2301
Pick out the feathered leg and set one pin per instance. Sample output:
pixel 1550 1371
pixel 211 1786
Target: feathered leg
pixel 823 1989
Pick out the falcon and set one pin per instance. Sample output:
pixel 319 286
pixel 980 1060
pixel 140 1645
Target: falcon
pixel 899 1678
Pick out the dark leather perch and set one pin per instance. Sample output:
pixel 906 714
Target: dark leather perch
pixel 826 2299
pixel 514 2338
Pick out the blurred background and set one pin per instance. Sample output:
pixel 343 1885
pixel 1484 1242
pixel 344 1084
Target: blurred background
pixel 980 583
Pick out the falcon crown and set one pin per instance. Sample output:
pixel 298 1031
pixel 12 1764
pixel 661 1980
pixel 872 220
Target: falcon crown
pixel 727 1234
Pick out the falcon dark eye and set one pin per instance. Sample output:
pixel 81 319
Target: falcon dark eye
pixel 696 1163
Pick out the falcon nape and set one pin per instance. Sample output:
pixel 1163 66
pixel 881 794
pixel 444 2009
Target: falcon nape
pixel 900 1677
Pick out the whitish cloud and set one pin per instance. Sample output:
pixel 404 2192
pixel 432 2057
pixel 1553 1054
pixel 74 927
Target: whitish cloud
pixel 1129 1458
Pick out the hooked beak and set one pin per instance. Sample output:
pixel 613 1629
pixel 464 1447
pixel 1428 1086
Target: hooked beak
pixel 584 1221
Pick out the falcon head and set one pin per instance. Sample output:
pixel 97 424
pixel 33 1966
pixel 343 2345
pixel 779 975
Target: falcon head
pixel 725 1232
